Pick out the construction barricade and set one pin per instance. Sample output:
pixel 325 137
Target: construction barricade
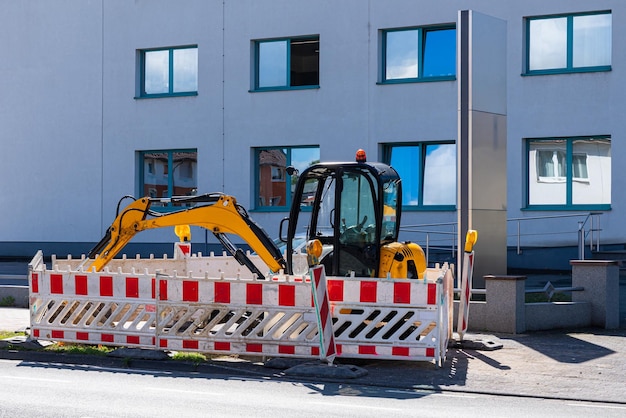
pixel 223 311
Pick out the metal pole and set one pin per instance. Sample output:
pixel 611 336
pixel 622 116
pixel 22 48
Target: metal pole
pixel 519 251
pixel 454 238
pixel 427 246
pixel 581 241
pixel 598 234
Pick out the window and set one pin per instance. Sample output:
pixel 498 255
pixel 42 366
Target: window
pixel 569 173
pixel 419 54
pixel 571 43
pixel 428 172
pixel 287 63
pixel 168 72
pixel 274 186
pixel 167 173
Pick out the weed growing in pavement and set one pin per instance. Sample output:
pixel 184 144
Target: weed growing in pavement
pixel 195 358
pixel 100 350
pixel 10 334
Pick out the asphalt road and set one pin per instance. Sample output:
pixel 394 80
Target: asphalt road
pixel 32 389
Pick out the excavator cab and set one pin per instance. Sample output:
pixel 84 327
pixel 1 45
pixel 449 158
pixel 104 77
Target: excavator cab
pixel 353 209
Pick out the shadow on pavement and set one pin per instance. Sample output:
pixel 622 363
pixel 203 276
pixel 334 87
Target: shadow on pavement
pixel 563 347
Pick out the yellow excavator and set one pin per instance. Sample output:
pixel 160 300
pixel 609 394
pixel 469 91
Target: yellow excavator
pixel 349 213
pixel 355 215
pixel 216 212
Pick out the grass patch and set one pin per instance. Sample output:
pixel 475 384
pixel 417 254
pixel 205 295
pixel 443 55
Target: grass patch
pixel 7 301
pixel 99 350
pixel 195 358
pixel 10 334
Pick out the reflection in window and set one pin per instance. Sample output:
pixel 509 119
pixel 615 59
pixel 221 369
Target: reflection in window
pixel 551 165
pixel 439 53
pixel 428 172
pixel 167 72
pixel 390 210
pixel 568 43
pixel 272 57
pixel 401 55
pixel 419 53
pixel 168 173
pixel 287 63
pixel 569 171
pixel 273 184
pixel 548 44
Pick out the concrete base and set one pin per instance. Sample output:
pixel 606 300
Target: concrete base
pixel 323 370
pixel 554 315
pixel 139 353
pixel 307 368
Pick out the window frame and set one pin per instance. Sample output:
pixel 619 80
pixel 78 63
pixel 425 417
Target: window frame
pixel 386 152
pixel 141 76
pixel 255 62
pixel 569 178
pixel 140 185
pixel 420 55
pixel 569 68
pixel 286 206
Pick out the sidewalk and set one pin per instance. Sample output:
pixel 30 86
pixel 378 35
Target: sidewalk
pixel 579 365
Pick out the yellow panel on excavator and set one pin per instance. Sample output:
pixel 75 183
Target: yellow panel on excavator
pixel 402 260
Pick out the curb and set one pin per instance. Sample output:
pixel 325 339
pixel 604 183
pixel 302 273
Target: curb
pixel 251 368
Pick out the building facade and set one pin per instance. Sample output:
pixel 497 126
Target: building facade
pixel 102 99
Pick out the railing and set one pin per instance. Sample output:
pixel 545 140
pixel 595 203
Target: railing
pixel 593 233
pixel 443 236
pixel 436 236
pixel 549 290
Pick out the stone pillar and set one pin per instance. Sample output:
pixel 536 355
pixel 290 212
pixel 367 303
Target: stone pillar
pixel 506 304
pixel 600 279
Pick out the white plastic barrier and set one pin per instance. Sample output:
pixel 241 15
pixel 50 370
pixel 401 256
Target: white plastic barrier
pixel 372 318
pixel 235 316
pixel 391 319
pixel 96 308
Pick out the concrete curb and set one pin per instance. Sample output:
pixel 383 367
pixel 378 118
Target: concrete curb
pixel 409 376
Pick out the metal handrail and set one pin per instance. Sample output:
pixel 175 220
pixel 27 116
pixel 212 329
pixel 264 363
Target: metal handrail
pixel 593 232
pixel 419 229
pixel 591 218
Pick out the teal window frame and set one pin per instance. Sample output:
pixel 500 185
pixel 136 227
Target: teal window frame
pixel 569 68
pixel 141 90
pixel 568 178
pixel 284 207
pixel 421 43
pixel 140 157
pixel 421 167
pixel 288 79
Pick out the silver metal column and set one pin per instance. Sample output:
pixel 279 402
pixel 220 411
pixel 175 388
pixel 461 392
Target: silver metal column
pixel 482 137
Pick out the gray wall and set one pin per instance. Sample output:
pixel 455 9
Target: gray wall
pixel 70 126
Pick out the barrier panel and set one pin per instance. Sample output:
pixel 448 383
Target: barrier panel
pixel 143 307
pixel 236 316
pixel 92 308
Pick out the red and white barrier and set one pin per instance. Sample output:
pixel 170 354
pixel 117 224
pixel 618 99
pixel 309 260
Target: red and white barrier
pixel 93 308
pixel 324 321
pixel 370 318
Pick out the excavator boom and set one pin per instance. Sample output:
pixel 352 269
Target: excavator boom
pixel 219 214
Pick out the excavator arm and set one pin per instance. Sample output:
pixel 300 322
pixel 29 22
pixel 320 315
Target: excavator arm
pixel 219 214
